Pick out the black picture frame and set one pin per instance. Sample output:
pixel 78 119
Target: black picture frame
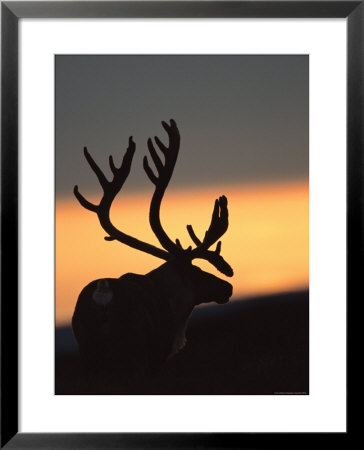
pixel 11 12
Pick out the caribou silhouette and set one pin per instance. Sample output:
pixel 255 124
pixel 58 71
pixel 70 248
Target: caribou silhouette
pixel 131 325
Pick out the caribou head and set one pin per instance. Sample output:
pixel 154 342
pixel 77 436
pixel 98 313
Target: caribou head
pixel 143 317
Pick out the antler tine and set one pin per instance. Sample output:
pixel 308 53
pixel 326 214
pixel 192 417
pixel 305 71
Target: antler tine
pixel 217 261
pixel 121 173
pixel 161 181
pixel 100 175
pixel 218 226
pixel 219 222
pixel 111 189
pixel 193 236
pixel 85 203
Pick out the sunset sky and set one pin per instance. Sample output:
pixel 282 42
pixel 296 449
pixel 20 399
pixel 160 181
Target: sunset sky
pixel 244 133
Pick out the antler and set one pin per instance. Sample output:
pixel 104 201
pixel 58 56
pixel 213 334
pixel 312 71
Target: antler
pixel 111 188
pixel 219 221
pixel 161 181
pixel 218 226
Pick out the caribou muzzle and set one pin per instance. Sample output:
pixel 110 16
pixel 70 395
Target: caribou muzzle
pixel 225 293
pixel 210 288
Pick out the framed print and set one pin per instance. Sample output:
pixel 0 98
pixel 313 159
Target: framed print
pixel 181 221
pixel 246 89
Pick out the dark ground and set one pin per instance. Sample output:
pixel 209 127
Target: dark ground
pixel 250 347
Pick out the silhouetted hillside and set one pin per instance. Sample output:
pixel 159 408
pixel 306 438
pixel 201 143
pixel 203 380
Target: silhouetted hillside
pixel 257 346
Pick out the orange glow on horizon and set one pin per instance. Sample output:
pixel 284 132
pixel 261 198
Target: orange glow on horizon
pixel 266 243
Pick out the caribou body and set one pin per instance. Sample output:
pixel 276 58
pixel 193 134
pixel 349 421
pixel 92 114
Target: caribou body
pixel 131 325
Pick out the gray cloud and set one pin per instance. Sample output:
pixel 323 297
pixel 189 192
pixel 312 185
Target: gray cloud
pixel 241 118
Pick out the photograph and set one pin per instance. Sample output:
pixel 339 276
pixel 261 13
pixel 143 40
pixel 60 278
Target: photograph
pixel 181 224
